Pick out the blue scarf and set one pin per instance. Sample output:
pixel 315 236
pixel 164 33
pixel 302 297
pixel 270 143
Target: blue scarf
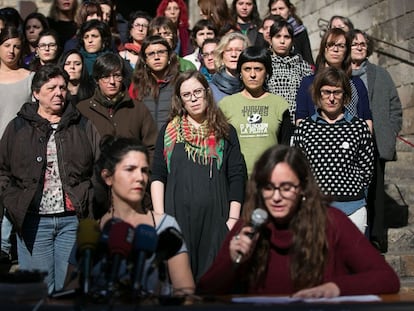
pixel 227 83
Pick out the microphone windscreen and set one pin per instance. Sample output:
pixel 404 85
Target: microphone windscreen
pixel 145 238
pixel 259 217
pixel 120 239
pixel 169 243
pixel 88 234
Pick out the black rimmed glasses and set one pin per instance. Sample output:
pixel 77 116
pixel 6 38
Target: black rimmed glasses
pixel 116 76
pixel 334 46
pixel 47 46
pixel 207 55
pixel 327 93
pixel 198 93
pixel 287 190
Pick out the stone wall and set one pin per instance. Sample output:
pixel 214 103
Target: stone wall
pixel 387 20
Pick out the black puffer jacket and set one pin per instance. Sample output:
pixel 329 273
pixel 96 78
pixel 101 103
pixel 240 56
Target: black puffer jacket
pixel 23 156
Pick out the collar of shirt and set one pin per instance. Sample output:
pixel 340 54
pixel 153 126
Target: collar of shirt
pixel 317 117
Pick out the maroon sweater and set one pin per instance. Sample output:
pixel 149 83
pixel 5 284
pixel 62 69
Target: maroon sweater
pixel 354 265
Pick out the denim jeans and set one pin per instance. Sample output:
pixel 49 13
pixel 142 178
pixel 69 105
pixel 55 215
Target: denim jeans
pixel 45 245
pixel 6 229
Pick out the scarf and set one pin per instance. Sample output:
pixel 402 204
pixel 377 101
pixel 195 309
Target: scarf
pixel 90 58
pixel 133 48
pixel 296 27
pixel 227 83
pixel 361 73
pixel 200 144
pixel 110 103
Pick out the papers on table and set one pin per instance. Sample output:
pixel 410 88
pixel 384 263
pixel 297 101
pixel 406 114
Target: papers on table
pixel 286 299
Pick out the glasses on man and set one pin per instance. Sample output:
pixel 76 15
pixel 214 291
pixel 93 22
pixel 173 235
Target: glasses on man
pixel 198 93
pixel 334 46
pixel 47 46
pixel 142 26
pixel 328 93
pixel 287 190
pixel 359 45
pixel 116 76
pixel 154 54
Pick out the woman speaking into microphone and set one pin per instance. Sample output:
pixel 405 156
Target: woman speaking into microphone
pixel 305 249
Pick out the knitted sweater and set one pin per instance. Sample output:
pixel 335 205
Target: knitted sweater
pixel 341 155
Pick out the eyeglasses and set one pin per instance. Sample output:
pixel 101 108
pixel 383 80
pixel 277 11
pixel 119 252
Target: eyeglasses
pixel 198 93
pixel 116 76
pixel 287 190
pixel 360 45
pixel 335 93
pixel 206 55
pixel 154 54
pixel 44 46
pixel 137 25
pixel 231 51
pixel 333 45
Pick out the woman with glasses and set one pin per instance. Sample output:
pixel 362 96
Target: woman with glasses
pixel 338 145
pixel 138 24
pixel 47 50
pixel 258 115
pixel 387 118
pixel 226 80
pixel 112 110
pixel 207 52
pixel 153 78
pixel 334 51
pixel 202 30
pixel 198 171
pixel 306 249
pixel 33 24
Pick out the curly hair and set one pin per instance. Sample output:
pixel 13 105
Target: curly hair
pixel 216 120
pixel 308 224
pixel 224 41
pixel 144 82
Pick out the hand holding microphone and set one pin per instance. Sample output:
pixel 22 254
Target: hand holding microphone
pixel 242 243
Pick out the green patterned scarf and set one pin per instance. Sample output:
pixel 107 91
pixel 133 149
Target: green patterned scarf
pixel 200 144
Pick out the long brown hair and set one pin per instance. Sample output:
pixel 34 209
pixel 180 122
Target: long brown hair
pixel 308 224
pixel 216 120
pixel 333 34
pixel 144 82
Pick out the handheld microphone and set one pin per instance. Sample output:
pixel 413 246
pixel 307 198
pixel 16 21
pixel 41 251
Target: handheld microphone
pixel 87 240
pixel 120 241
pixel 258 218
pixel 145 243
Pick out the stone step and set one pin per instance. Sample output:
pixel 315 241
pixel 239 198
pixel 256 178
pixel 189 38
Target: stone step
pixel 401 240
pixel 407 285
pixel 403 264
pixel 402 168
pixel 405 146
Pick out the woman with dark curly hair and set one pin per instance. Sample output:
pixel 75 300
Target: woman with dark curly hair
pixel 154 76
pixel 305 249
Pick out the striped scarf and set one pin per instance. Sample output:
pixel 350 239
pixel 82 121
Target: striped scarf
pixel 200 144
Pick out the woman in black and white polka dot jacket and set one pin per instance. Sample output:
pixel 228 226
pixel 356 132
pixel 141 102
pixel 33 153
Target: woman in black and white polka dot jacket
pixel 338 145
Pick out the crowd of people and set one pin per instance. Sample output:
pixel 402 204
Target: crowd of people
pixel 136 118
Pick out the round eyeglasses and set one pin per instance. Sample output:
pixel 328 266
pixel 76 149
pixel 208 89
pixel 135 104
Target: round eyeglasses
pixel 198 93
